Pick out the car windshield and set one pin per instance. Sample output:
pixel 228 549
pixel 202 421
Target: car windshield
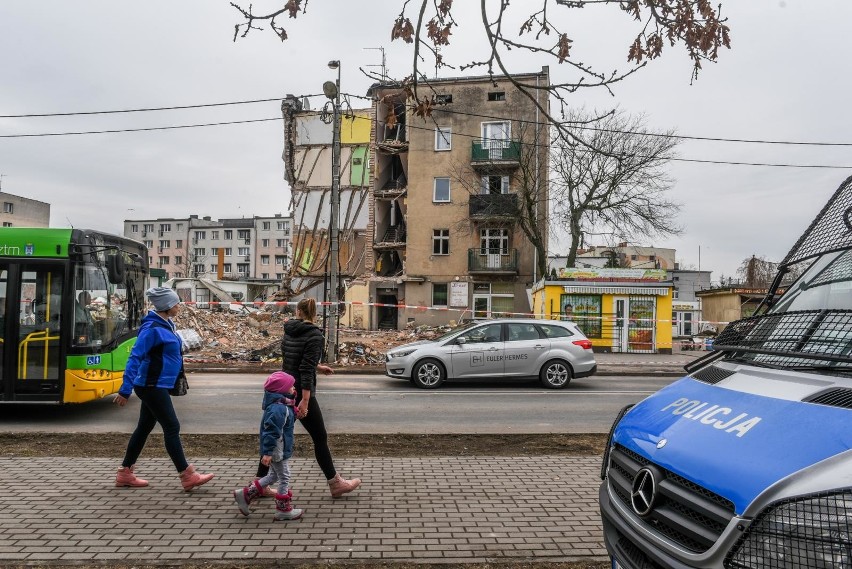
pixel 809 327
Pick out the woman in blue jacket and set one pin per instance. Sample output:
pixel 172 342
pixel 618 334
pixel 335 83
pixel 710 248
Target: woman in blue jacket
pixel 152 370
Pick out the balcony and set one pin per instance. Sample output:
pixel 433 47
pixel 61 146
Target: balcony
pixel 493 154
pixel 394 238
pixel 393 189
pixel 493 207
pixel 492 261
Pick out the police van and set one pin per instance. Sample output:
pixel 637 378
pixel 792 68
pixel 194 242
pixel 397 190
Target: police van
pixel 745 462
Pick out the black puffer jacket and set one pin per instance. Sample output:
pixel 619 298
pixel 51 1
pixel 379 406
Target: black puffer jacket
pixel 301 350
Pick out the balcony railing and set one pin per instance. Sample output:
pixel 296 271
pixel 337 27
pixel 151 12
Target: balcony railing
pixel 492 260
pixel 495 151
pixel 486 206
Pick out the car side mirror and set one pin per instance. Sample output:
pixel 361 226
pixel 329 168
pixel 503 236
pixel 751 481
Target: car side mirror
pixel 461 341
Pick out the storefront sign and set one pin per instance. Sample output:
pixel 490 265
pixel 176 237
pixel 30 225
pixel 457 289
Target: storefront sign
pixel 458 294
pixel 596 274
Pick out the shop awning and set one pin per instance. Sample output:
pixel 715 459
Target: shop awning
pixel 647 291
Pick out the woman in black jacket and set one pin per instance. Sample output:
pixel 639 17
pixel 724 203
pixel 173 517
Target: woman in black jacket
pixel 301 350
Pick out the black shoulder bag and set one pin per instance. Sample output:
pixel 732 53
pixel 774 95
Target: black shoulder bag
pixel 181 384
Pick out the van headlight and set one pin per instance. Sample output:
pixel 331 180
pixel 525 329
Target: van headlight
pixel 608 447
pixel 401 354
pixel 815 531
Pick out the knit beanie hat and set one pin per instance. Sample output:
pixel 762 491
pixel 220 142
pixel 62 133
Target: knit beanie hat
pixel 279 382
pixel 162 298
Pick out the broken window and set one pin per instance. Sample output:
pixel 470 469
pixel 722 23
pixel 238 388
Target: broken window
pixel 444 99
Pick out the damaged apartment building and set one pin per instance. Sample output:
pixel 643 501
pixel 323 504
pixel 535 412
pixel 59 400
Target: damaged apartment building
pixel 429 219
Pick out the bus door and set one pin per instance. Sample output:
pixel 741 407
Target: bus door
pixel 30 344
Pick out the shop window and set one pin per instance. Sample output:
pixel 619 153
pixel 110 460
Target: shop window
pixel 585 311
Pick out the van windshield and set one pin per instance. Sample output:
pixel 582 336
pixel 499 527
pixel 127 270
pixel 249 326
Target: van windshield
pixel 809 327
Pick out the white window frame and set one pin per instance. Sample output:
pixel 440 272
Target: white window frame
pixel 504 185
pixel 489 139
pixel 443 138
pixel 264 259
pixel 435 191
pixel 489 234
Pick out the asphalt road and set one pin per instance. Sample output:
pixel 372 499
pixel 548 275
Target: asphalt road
pixel 230 403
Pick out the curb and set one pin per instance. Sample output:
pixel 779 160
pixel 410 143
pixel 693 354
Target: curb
pixel 625 370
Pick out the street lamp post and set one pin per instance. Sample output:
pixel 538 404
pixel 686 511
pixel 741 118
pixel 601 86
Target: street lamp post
pixel 332 91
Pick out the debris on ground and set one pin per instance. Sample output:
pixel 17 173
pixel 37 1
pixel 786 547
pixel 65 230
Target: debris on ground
pixel 233 337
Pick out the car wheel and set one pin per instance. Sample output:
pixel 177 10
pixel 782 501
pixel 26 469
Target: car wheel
pixel 428 374
pixel 555 374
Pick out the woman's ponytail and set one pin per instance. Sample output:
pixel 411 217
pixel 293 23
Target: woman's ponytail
pixel 308 308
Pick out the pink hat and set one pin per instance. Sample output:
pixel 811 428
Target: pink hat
pixel 279 382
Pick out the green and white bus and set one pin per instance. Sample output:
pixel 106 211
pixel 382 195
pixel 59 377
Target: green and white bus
pixel 71 302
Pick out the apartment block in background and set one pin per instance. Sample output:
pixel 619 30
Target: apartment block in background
pixel 19 211
pixel 256 248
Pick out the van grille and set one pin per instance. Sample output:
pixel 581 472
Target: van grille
pixel 712 374
pixel 684 512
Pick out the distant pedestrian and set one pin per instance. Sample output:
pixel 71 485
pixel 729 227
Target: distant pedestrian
pixel 301 349
pixel 153 367
pixel 276 448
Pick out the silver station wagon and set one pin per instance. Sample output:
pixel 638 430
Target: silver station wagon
pixel 553 351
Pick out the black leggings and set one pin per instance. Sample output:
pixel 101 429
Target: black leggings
pixel 315 426
pixel 156 408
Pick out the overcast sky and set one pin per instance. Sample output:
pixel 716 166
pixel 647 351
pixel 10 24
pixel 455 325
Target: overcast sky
pixel 786 78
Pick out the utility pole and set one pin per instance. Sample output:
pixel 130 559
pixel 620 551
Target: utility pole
pixel 332 91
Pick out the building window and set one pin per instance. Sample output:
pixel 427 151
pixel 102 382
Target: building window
pixel 180 226
pixel 214 251
pixel 200 235
pixel 243 251
pixel 494 241
pixel 8 207
pixel 165 243
pixel 497 96
pixel 496 135
pixel 284 226
pixel 439 294
pixel 243 234
pixel 178 260
pixel 279 259
pixel 178 243
pixel 228 251
pixel 264 275
pixel 212 267
pixel 440 241
pixel 585 311
pixel 281 243
pixel 441 192
pixel 199 269
pixel 243 268
pixel 200 252
pixel 443 138
pixel 165 227
pixel 229 234
pixel 7 224
pixel 214 235
pixel 495 185
pixel 264 242
pixel 266 225
pixel 264 259
pixel 134 228
pixel 444 99
pixel 148 227
pixel 148 244
pixel 226 267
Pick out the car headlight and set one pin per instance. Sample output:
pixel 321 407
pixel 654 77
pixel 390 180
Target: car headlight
pixel 608 447
pixel 401 354
pixel 815 531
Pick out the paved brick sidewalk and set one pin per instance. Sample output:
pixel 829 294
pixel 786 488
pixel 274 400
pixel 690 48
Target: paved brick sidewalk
pixel 471 509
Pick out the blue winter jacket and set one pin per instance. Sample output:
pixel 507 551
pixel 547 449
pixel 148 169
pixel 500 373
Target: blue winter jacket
pixel 276 427
pixel 155 360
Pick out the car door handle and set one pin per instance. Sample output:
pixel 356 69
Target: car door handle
pixel 539 347
pixel 492 349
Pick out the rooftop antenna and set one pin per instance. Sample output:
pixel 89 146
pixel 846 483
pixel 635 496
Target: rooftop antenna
pixel 383 65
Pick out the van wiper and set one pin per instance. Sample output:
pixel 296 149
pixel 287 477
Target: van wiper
pixel 840 369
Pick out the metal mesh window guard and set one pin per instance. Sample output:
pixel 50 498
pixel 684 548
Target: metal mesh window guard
pixel 830 231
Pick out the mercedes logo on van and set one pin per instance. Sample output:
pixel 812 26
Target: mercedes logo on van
pixel 644 492
pixel 662 443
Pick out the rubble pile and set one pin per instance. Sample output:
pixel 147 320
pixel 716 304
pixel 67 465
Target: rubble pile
pixel 227 336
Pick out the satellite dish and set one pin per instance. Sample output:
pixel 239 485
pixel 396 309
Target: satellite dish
pixel 329 89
